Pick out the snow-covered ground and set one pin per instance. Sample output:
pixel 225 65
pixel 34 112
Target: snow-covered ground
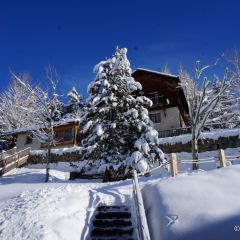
pixel 187 167
pixel 203 205
pixel 202 202
pixel 60 209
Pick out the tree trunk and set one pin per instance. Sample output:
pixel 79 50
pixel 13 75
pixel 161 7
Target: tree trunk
pixel 47 174
pixel 47 166
pixel 194 151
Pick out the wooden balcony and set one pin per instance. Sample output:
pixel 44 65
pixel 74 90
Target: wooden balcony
pixel 159 101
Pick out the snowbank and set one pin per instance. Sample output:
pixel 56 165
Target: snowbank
pixel 198 206
pixel 58 151
pixel 214 134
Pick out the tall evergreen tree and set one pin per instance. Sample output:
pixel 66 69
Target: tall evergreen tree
pixel 75 104
pixel 117 127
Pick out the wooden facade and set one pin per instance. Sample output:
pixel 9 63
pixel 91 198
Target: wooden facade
pixel 164 91
pixel 65 135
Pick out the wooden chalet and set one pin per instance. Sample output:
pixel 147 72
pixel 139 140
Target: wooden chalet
pixel 170 109
pixel 66 135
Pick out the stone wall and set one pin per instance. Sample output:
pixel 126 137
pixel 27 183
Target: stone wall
pixel 204 145
pixel 65 157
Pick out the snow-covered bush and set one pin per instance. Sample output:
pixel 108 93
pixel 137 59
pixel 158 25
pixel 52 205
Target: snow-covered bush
pixel 116 125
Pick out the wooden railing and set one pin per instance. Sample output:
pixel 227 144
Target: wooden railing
pixel 9 152
pixel 207 128
pixel 174 132
pixel 221 160
pixel 142 225
pixel 17 159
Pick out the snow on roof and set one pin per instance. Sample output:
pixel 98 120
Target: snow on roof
pixel 152 71
pixel 66 121
pixel 62 122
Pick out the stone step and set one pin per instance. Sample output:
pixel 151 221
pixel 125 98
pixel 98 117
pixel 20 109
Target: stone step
pixel 113 238
pixel 112 223
pixel 113 209
pixel 113 215
pixel 112 232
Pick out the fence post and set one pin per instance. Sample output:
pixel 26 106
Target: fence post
pixel 173 162
pixel 222 158
pixel 18 158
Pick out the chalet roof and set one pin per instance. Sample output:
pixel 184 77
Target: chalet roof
pixel 166 85
pixel 156 72
pixel 63 122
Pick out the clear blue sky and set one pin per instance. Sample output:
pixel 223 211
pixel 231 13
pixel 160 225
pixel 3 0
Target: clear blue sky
pixel 75 35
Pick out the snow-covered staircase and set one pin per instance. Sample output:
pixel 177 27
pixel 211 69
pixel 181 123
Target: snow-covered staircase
pixel 112 223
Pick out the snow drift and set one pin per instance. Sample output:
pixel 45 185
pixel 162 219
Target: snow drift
pixel 199 206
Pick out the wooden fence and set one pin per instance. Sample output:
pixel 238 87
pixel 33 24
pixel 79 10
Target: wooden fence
pixel 12 159
pixel 222 159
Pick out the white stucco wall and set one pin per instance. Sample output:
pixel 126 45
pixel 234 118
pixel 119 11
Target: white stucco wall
pixel 171 120
pixel 21 140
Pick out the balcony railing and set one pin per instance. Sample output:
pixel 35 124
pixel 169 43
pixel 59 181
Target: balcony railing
pixel 158 100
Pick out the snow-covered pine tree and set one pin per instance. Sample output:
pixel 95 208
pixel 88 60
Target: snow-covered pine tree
pixel 222 113
pixel 117 128
pixel 74 97
pixel 75 105
pixel 234 60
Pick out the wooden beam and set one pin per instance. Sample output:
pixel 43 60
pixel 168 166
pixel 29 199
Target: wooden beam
pixel 173 163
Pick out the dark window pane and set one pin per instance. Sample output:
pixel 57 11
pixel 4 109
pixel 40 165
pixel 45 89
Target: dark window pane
pixel 59 135
pixel 68 134
pixel 29 139
pixel 155 117
pixel 154 98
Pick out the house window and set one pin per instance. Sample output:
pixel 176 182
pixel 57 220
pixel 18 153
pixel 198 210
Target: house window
pixel 59 135
pixel 29 139
pixel 154 97
pixel 68 134
pixel 64 135
pixel 158 99
pixel 155 117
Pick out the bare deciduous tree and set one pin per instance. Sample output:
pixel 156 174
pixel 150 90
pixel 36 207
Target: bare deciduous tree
pixel 201 102
pixel 17 106
pixel 50 112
